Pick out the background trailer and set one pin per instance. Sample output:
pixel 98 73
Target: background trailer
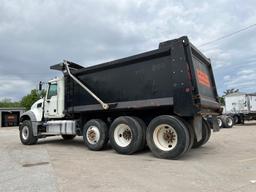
pixel 241 106
pixel 10 116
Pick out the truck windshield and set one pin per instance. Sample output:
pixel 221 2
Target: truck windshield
pixel 52 91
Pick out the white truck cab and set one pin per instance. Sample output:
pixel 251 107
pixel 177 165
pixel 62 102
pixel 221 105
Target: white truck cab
pixel 46 116
pixel 54 99
pixel 37 109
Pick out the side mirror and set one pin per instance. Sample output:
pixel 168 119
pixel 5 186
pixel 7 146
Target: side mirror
pixel 40 86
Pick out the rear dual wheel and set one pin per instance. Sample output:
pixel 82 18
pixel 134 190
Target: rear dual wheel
pixel 127 134
pixel 225 121
pixel 168 137
pixel 95 134
pixel 228 121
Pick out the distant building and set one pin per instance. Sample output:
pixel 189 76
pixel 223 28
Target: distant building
pixel 10 116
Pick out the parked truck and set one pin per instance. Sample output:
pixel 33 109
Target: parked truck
pixel 159 98
pixel 225 121
pixel 241 106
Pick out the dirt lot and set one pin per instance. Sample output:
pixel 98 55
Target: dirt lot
pixel 226 163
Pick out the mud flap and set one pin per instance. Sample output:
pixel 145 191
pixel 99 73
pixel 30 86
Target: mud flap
pixel 197 124
pixel 215 126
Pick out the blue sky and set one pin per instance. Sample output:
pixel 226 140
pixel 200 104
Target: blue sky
pixel 37 34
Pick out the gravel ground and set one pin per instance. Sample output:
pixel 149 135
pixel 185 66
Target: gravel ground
pixel 226 163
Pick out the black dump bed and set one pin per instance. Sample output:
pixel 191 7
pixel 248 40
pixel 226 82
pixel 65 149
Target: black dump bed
pixel 175 76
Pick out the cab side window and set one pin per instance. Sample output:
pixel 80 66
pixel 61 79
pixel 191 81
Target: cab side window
pixel 52 91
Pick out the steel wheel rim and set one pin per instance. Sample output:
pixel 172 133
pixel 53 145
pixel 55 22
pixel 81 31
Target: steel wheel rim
pixel 93 135
pixel 229 121
pixel 165 137
pixel 25 132
pixel 123 135
pixel 219 122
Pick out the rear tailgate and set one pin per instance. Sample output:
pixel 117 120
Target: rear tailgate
pixel 206 96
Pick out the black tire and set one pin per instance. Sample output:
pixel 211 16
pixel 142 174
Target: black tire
pixel 206 134
pixel 241 119
pixel 191 133
pixel 95 134
pixel 236 119
pixel 176 128
pixel 209 132
pixel 144 128
pixel 228 121
pixel 26 133
pixel 126 128
pixel 68 137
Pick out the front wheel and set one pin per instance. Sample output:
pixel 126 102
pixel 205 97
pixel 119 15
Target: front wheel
pixel 26 133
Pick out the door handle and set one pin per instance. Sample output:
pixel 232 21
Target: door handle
pixel 48 101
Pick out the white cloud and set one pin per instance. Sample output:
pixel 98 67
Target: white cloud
pixel 247 72
pixel 37 34
pixel 10 86
pixel 244 79
pixel 227 77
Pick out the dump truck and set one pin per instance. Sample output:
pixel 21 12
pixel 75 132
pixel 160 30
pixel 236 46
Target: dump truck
pixel 241 106
pixel 158 99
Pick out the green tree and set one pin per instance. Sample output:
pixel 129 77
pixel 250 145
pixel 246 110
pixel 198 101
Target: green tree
pixel 222 101
pixel 28 100
pixel 229 91
pixel 9 103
